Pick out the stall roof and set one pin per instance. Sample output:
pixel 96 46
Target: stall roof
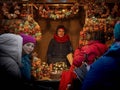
pixel 59 1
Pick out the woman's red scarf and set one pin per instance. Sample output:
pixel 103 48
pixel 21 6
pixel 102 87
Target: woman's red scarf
pixel 63 39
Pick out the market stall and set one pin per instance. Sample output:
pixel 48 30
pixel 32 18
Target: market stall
pixel 40 18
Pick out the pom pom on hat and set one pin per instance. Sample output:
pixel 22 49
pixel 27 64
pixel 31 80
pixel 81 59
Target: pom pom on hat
pixel 28 39
pixel 117 31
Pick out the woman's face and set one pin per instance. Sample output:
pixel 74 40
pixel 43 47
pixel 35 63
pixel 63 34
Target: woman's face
pixel 61 32
pixel 28 48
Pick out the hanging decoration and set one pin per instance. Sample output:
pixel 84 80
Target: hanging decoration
pixel 31 27
pixel 28 26
pixel 11 11
pixel 58 13
pixel 101 10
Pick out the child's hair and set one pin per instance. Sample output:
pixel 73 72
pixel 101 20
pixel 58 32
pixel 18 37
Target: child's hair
pixel 98 35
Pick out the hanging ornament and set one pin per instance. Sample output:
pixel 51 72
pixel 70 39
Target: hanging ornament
pixel 6 8
pixel 31 27
pixel 58 12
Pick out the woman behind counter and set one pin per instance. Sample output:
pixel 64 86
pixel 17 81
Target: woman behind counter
pixel 59 47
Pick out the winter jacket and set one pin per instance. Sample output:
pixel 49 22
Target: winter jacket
pixel 10 58
pixel 58 51
pixel 93 50
pixel 104 74
pixel 26 67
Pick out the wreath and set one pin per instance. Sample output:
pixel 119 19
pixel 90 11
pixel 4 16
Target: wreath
pixel 11 11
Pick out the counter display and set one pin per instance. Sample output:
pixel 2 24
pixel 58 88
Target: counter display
pixel 43 71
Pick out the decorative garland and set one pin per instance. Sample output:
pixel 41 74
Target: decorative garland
pixel 58 13
pixel 31 27
pixel 28 26
pixel 101 10
pixel 6 10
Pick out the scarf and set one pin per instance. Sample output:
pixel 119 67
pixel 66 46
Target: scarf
pixel 63 39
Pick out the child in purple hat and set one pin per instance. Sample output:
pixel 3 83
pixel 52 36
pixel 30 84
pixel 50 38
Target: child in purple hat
pixel 28 38
pixel 29 43
pixel 28 47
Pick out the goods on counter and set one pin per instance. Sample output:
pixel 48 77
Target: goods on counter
pixel 57 69
pixel 55 75
pixel 41 70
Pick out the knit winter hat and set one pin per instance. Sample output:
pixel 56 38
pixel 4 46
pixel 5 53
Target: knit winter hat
pixel 117 31
pixel 28 38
